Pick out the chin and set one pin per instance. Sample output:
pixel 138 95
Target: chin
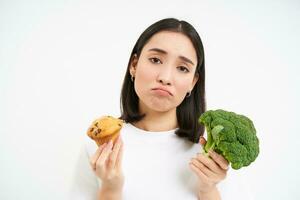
pixel 161 109
pixel 160 106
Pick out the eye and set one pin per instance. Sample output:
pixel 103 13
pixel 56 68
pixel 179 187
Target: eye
pixel 154 60
pixel 183 69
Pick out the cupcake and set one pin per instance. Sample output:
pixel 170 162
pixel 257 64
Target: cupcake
pixel 104 129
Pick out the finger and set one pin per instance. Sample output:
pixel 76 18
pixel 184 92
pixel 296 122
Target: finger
pixel 222 162
pixel 104 155
pixel 199 173
pixel 114 154
pixel 96 155
pixel 120 155
pixel 210 163
pixel 204 169
pixel 202 141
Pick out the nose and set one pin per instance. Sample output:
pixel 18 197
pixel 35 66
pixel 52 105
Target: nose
pixel 165 82
pixel 164 76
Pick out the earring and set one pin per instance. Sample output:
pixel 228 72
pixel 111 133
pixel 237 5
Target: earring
pixel 188 94
pixel 132 78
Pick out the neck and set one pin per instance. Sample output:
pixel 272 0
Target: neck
pixel 158 121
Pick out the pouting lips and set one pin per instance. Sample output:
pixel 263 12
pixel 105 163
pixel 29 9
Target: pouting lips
pixel 163 91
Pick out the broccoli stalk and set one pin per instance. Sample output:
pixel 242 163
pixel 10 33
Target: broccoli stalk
pixel 212 138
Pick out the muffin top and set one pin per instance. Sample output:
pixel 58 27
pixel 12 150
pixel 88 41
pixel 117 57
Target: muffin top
pixel 104 126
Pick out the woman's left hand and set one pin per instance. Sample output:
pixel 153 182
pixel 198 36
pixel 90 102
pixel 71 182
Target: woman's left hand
pixel 210 171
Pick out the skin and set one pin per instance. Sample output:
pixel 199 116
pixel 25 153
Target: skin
pixel 107 162
pixel 156 69
pixel 210 172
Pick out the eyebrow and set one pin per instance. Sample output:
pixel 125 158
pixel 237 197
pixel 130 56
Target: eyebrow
pixel 164 52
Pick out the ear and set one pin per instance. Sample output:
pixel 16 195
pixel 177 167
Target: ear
pixel 133 64
pixel 196 77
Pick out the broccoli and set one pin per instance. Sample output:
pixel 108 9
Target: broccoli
pixel 231 135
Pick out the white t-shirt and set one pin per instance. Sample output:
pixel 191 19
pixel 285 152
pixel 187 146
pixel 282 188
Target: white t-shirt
pixel 155 166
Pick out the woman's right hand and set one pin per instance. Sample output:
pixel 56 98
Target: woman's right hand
pixel 107 165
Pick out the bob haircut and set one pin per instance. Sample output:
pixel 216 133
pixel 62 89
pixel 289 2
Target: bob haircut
pixel 191 107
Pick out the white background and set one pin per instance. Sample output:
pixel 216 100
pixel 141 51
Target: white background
pixel 62 65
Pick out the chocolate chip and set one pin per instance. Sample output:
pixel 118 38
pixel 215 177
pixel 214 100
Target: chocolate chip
pixel 96 124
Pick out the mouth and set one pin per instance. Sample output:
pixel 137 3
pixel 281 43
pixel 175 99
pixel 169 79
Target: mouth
pixel 162 91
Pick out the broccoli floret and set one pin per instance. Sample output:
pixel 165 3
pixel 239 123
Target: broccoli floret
pixel 232 135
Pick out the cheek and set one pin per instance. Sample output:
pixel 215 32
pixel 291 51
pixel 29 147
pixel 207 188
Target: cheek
pixel 145 74
pixel 183 87
pixel 145 78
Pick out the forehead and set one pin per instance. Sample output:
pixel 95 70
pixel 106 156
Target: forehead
pixel 176 44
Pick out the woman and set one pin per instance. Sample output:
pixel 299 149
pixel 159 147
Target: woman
pixel 163 93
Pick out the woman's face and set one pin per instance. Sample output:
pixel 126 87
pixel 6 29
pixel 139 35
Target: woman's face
pixel 164 73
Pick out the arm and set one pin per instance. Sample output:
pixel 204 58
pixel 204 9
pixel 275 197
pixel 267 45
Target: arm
pixel 106 164
pixel 210 171
pixel 212 195
pixel 109 194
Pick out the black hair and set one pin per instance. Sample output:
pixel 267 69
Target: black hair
pixel 191 107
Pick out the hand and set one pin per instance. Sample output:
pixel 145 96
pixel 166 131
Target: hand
pixel 107 162
pixel 210 170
